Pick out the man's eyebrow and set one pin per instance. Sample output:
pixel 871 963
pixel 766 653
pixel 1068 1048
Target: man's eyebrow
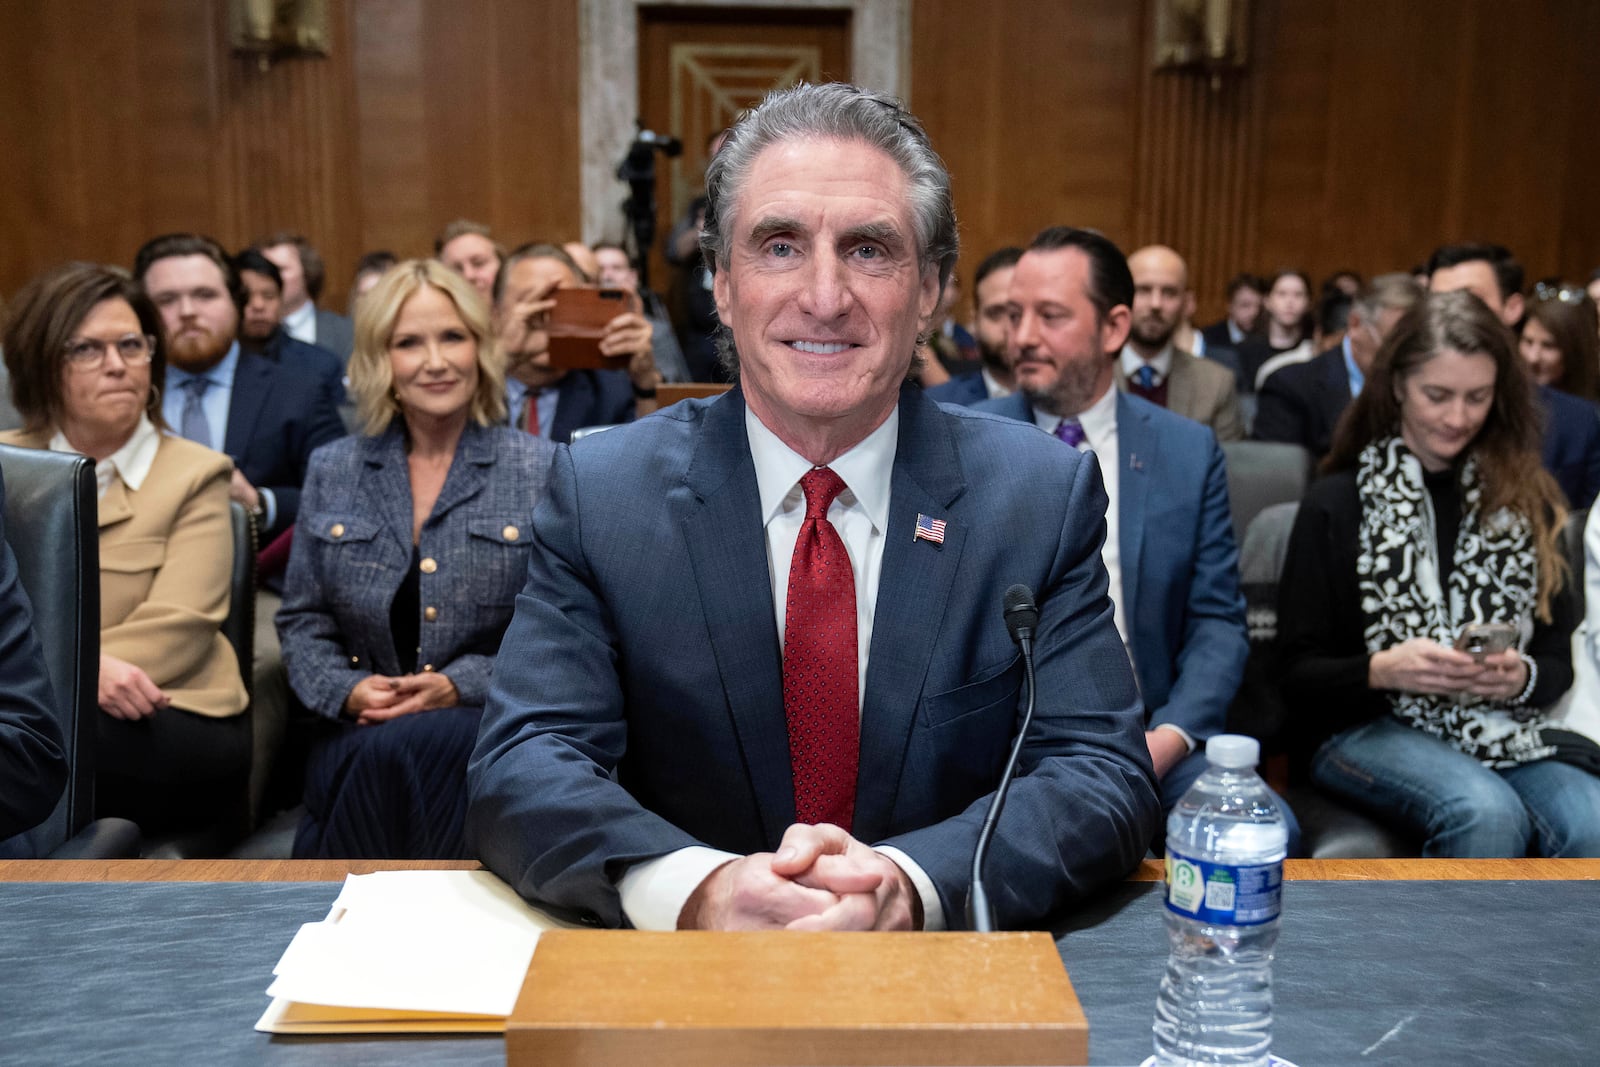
pixel 771 226
pixel 884 233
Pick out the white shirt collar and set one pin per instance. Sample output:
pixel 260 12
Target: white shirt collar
pixel 301 324
pixel 1097 420
pixel 1132 361
pixel 132 461
pixel 867 469
pixel 992 385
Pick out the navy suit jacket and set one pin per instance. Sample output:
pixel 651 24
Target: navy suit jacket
pixel 1571 450
pixel 33 767
pixel 591 398
pixel 637 704
pixel 1302 403
pixel 283 408
pixel 352 549
pixel 1180 566
pixel 963 389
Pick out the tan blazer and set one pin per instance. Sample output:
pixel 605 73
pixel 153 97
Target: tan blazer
pixel 166 559
pixel 1201 390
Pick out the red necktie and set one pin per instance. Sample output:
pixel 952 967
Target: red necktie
pixel 820 672
pixel 530 412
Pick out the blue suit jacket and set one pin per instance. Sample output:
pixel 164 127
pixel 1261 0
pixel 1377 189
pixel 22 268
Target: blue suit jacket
pixel 592 398
pixel 1571 447
pixel 637 704
pixel 352 549
pixel 963 389
pixel 283 408
pixel 1180 566
pixel 33 768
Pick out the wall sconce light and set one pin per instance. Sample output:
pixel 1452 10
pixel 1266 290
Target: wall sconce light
pixel 1207 36
pixel 271 29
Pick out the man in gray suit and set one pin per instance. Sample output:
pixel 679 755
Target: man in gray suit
pixel 303 274
pixel 1153 368
pixel 704 713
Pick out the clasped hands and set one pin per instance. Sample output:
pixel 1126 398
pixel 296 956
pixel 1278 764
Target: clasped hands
pixel 1421 665
pixel 820 878
pixel 379 698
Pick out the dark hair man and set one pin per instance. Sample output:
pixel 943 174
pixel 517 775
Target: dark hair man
pixel 729 726
pixel 267 414
pixel 993 376
pixel 303 274
pixel 1169 550
pixel 1571 446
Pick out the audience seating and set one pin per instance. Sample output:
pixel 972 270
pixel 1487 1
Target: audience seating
pixel 53 527
pixel 1263 473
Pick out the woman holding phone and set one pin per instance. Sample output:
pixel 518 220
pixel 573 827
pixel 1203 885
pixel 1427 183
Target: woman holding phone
pixel 1435 530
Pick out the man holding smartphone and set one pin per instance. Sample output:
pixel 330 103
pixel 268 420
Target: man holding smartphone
pixel 552 401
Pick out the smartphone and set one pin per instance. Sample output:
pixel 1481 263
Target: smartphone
pixel 1480 639
pixel 577 323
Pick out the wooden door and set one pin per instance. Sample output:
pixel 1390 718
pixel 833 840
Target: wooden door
pixel 699 67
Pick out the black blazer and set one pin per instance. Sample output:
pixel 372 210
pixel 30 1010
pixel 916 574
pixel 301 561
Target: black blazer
pixel 591 398
pixel 1301 404
pixel 1571 449
pixel 283 408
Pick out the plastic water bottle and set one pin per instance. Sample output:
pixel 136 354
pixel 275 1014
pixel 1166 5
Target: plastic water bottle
pixel 1226 840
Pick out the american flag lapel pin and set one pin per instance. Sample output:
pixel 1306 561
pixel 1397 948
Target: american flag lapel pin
pixel 1134 462
pixel 929 530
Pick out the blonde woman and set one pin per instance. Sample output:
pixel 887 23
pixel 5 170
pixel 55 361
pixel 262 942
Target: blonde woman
pixel 412 542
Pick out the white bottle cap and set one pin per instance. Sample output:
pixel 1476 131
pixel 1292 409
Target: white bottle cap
pixel 1233 751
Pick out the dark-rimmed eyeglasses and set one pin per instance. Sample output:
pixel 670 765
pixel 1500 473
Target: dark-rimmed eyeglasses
pixel 89 354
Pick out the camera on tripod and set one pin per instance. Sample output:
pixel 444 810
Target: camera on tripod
pixel 638 169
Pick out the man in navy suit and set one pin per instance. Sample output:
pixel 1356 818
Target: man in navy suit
pixel 1571 448
pixel 267 413
pixel 1169 550
pixel 551 402
pixel 759 676
pixel 993 377
pixel 1301 404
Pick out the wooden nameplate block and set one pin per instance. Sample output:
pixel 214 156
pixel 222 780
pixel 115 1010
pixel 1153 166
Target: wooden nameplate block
pixel 604 997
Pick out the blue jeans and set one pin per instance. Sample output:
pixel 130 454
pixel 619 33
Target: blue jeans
pixel 1457 805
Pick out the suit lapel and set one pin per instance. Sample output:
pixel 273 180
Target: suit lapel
pixel 1180 387
pixel 387 487
pixel 727 550
pixel 469 470
pixel 252 383
pixel 575 398
pixel 114 506
pixel 913 589
pixel 1137 448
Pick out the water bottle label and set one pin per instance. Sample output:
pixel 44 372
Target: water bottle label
pixel 1222 894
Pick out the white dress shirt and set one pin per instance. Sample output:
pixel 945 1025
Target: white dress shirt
pixel 655 891
pixel 131 462
pixel 991 384
pixel 301 324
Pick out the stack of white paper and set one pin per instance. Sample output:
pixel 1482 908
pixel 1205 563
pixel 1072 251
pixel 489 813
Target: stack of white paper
pixel 408 951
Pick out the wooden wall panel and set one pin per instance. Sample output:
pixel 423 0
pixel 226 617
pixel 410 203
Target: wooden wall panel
pixel 1364 133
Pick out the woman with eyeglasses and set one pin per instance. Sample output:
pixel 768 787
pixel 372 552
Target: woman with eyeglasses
pixel 1560 345
pixel 1425 610
pixel 86 354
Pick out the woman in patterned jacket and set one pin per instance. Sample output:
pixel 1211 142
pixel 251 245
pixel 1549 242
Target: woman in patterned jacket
pixel 411 544
pixel 1435 518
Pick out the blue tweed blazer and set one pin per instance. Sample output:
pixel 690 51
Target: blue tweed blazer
pixel 352 548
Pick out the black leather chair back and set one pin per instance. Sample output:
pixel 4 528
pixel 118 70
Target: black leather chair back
pixel 52 525
pixel 1263 473
pixel 239 627
pixel 1572 546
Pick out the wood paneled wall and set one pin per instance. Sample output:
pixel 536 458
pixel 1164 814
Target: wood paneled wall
pixel 124 120
pixel 1364 133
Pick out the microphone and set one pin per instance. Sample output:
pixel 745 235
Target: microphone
pixel 1022 617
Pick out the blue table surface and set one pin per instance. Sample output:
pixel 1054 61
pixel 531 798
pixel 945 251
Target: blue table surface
pixel 1367 972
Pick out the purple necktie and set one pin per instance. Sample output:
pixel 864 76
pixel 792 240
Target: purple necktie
pixel 1071 431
